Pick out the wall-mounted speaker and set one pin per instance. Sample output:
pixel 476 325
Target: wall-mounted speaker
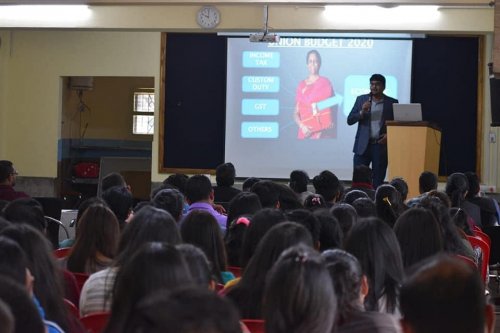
pixel 495 101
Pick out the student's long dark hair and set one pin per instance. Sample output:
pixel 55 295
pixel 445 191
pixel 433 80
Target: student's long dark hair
pixel 451 238
pixel 48 286
pixel 201 229
pixel 375 245
pixel 418 234
pixel 262 221
pixel 26 315
pixel 153 267
pixel 299 295
pixel 346 277
pixel 247 294
pixel 148 225
pixel 98 233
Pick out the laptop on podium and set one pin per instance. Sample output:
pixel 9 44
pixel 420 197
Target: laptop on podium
pixel 407 112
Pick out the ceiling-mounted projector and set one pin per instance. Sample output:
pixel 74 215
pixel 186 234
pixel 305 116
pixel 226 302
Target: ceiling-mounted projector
pixel 264 38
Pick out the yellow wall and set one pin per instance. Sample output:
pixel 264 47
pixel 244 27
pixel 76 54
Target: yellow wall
pixel 32 62
pixel 34 67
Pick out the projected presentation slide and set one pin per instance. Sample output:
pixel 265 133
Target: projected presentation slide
pixel 287 102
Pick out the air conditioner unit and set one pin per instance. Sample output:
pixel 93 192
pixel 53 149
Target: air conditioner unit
pixel 81 83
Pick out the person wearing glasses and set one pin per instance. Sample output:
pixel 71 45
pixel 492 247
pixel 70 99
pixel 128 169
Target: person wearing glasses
pixel 371 111
pixel 7 182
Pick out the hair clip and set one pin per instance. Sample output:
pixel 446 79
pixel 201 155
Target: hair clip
pixel 243 220
pixel 386 199
pixel 316 201
pixel 301 258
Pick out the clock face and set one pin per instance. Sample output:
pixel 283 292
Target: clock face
pixel 208 17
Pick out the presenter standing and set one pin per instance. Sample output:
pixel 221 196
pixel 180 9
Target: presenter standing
pixel 371 111
pixel 313 114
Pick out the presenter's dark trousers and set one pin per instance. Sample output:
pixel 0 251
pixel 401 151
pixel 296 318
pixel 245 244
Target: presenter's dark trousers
pixel 376 154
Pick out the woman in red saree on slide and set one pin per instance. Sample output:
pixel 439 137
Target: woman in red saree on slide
pixel 313 120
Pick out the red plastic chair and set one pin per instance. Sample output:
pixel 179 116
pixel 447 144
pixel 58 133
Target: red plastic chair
pixel 483 236
pixel 80 279
pixel 255 325
pixel 95 322
pixel 237 271
pixel 71 289
pixel 63 252
pixel 477 242
pixel 72 308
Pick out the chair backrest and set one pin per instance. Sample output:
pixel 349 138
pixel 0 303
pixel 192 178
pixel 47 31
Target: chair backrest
pixel 63 252
pixel 71 289
pixel 80 279
pixel 71 307
pixel 476 243
pixel 255 325
pixel 95 322
pixel 237 271
pixel 483 236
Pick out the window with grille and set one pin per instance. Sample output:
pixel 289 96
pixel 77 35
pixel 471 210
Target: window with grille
pixel 144 108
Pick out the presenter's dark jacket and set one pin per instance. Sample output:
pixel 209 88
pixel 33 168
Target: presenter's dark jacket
pixel 363 133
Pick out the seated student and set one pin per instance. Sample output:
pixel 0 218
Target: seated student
pixel 170 200
pixel 268 193
pixel 401 186
pixel 113 179
pixel 153 267
pixel 7 182
pixel 312 305
pixel 330 234
pixel 200 196
pixel 308 220
pixel 329 186
pixel 262 222
pixel 198 265
pixel 224 177
pixel 444 294
pixel 287 198
pixel 96 241
pixel 427 181
pixel 186 310
pixel 376 247
pixel 299 180
pixel 247 294
pixel 26 210
pixel 47 275
pixel 362 180
pixel 418 235
pixel 457 187
pixel 353 195
pixel 314 202
pixel 120 201
pixel 364 207
pixel 148 225
pixel 81 209
pixel 351 288
pixel 346 215
pixel 27 318
pixel 487 206
pixel 248 183
pixel 388 203
pixel 200 229
pixel 14 265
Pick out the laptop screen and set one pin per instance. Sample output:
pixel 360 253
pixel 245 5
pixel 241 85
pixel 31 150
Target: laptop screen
pixel 407 112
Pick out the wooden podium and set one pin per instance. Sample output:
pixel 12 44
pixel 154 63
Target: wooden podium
pixel 412 147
